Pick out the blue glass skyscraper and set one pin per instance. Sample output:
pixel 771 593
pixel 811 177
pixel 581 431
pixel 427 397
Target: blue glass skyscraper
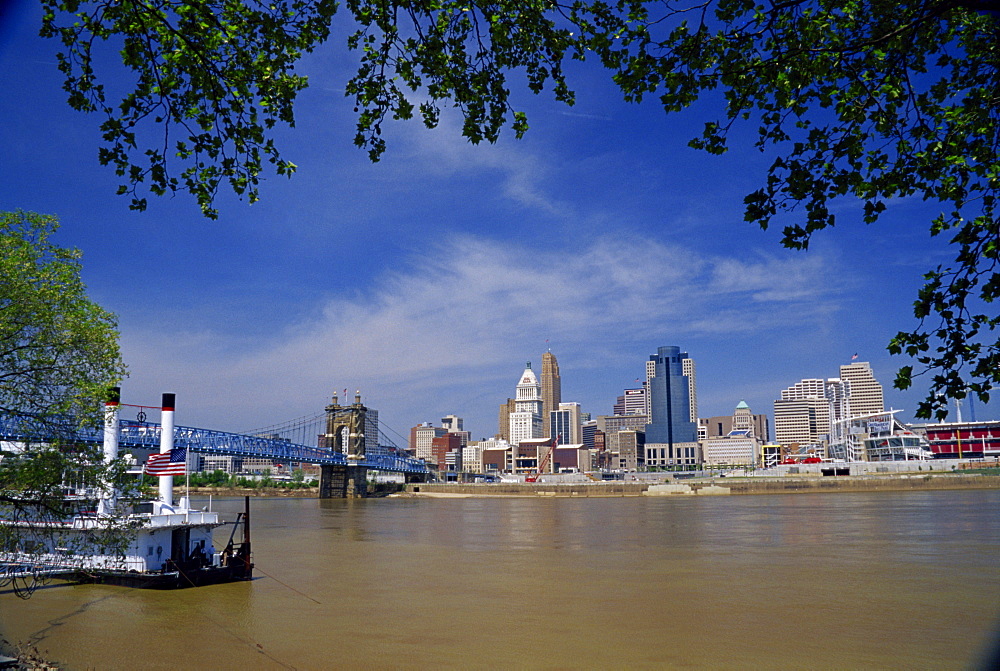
pixel 669 400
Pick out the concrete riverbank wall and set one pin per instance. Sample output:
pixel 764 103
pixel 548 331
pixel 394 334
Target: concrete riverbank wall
pixel 714 487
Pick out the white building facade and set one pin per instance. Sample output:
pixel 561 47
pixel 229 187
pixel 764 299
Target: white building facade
pixel 865 391
pixel 526 420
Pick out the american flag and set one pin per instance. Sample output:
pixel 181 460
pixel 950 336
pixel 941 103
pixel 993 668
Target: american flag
pixel 174 463
pixel 854 357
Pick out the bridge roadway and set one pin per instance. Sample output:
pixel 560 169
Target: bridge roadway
pixel 146 435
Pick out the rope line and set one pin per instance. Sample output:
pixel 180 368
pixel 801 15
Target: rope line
pixel 259 569
pixel 147 407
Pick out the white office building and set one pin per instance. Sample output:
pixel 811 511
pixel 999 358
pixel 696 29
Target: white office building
pixel 526 420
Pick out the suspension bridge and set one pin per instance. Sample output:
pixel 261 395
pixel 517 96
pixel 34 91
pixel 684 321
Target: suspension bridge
pixel 337 438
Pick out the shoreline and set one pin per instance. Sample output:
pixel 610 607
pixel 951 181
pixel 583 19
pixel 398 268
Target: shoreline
pixel 260 492
pixel 26 659
pixel 736 486
pixel 712 486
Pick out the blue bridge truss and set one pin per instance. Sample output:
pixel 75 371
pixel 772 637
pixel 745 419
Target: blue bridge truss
pixel 146 435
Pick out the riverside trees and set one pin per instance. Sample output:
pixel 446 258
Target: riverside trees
pixel 860 99
pixel 58 350
pixel 59 357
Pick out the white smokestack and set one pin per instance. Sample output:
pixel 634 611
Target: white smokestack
pixel 167 444
pixel 108 499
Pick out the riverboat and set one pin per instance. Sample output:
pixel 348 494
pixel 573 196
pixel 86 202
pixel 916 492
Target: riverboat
pixel 153 544
pixel 169 547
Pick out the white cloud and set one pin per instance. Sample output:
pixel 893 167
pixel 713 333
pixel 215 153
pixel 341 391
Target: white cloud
pixel 770 279
pixel 444 152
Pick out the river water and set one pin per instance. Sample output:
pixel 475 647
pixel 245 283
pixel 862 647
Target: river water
pixel 870 580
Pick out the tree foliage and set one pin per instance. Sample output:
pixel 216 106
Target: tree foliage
pixel 862 99
pixel 58 350
pixel 58 357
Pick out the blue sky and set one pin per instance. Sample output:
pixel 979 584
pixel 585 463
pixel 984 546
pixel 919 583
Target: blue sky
pixel 428 279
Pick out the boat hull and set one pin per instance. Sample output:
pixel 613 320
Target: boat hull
pixel 199 577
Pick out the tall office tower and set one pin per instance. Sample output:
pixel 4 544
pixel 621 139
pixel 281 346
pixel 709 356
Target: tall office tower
pixel 650 374
pixel 503 424
pixel 670 402
pixel 526 420
pixel 632 402
pixel 688 370
pixel 808 388
pixel 587 431
pixel 551 385
pixel 795 421
pixel 565 422
pixel 802 415
pixel 866 393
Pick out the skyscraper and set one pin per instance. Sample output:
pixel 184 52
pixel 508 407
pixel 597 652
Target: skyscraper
pixel 503 423
pixel 565 423
pixel 632 402
pixel 551 385
pixel 865 392
pixel 802 415
pixel 526 420
pixel 650 374
pixel 687 369
pixel 814 411
pixel 669 400
pixel 587 432
pixel 687 365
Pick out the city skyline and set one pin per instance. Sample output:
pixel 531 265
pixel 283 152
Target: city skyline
pixel 867 397
pixel 424 280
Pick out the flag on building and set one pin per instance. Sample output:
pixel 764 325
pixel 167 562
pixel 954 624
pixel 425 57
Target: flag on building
pixel 172 463
pixel 854 357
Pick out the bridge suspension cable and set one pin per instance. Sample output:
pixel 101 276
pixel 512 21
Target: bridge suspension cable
pixel 386 441
pixel 302 430
pixel 383 425
pixel 305 430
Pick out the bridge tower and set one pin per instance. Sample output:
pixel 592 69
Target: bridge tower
pixel 350 481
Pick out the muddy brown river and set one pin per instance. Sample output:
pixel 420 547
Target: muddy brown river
pixel 810 581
